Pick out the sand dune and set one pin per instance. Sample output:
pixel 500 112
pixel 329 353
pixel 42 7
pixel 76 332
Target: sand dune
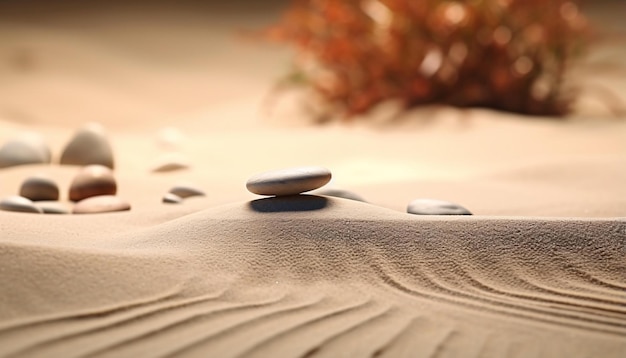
pixel 538 271
pixel 315 276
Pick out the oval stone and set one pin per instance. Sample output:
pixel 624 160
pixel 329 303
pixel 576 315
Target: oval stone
pixel 170 198
pixel 101 204
pixel 88 146
pixel 38 188
pixel 92 180
pixel 19 204
pixel 52 207
pixel 28 148
pixel 289 181
pixel 435 207
pixel 186 191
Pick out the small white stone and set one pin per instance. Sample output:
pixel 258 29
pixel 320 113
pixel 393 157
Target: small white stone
pixel 19 204
pixel 435 207
pixel 186 191
pixel 88 146
pixel 39 187
pixel 289 181
pixel 101 204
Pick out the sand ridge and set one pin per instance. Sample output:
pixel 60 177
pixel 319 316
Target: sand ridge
pixel 343 276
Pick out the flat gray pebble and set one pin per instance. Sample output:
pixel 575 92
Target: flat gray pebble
pixel 186 191
pixel 435 207
pixel 19 204
pixel 53 207
pixel 290 181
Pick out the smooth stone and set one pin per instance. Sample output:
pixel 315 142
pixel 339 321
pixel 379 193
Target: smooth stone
pixel 186 191
pixel 38 188
pixel 170 163
pixel 340 193
pixel 28 148
pixel 101 204
pixel 88 146
pixel 19 204
pixel 435 207
pixel 170 198
pixel 290 181
pixel 53 207
pixel 92 180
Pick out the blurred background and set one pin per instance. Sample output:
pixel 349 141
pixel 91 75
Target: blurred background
pixel 137 61
pixel 190 67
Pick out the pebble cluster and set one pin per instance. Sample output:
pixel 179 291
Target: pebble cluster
pixel 294 181
pixel 94 188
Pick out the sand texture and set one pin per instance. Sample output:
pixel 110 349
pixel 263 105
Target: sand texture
pixel 539 270
pixel 256 279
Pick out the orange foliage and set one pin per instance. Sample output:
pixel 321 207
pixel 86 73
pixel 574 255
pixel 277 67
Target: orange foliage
pixel 505 54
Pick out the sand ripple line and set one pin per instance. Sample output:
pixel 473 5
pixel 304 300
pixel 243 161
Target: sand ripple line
pixel 361 324
pixel 186 321
pixel 284 333
pixel 530 312
pixel 92 313
pixel 578 304
pixel 125 317
pixel 456 297
pixel 230 330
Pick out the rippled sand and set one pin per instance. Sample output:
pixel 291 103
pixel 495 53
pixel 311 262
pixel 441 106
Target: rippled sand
pixel 540 270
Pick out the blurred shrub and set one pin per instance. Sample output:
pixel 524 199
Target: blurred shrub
pixel 509 55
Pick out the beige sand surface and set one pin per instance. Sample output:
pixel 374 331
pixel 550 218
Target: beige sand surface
pixel 540 270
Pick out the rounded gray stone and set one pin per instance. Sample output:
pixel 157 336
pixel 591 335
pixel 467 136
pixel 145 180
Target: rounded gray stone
pixel 28 148
pixel 19 204
pixel 101 204
pixel 38 188
pixel 186 191
pixel 92 180
pixel 290 181
pixel 435 207
pixel 88 146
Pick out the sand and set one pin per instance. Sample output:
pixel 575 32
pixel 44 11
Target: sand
pixel 539 270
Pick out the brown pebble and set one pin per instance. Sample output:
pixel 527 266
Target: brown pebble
pixel 19 204
pixel 92 180
pixel 101 204
pixel 38 188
